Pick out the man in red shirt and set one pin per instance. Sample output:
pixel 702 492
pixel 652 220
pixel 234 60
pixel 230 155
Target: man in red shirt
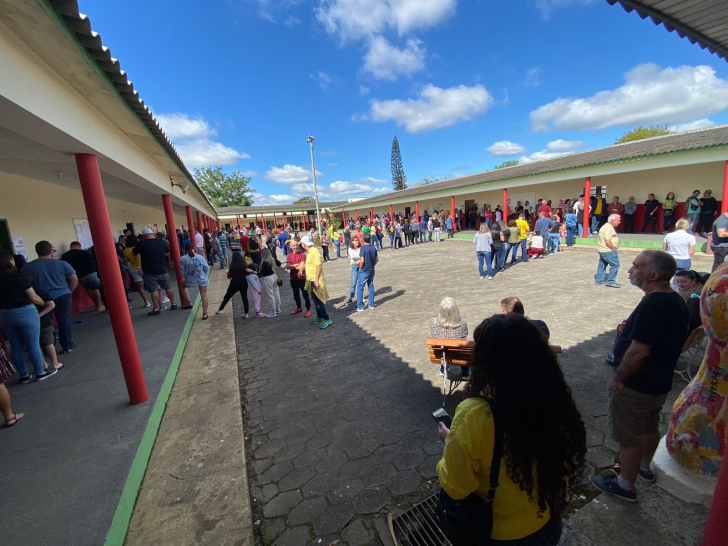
pixel 545 208
pixel 298 280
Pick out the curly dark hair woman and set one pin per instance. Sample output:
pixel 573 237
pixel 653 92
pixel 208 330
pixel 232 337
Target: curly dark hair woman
pixel 544 436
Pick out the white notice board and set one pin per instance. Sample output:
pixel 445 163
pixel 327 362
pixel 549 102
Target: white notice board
pixel 83 233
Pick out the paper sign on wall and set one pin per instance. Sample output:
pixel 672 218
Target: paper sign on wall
pixel 19 247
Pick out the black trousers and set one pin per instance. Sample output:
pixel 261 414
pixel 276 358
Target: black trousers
pixel 326 252
pixel 236 285
pixel 650 219
pixel 297 285
pixel 719 254
pixel 629 223
pixel 705 224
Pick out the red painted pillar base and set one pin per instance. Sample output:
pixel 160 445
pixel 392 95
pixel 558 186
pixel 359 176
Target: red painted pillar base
pixel 173 243
pixel 106 257
pixel 587 200
pixel 452 208
pixel 504 214
pixel 417 209
pixel 191 224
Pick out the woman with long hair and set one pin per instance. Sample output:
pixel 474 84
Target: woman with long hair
pixel 19 319
pixel 354 258
pixel 268 273
pixel 689 285
pixel 513 237
pixel 483 241
pixel 680 245
pixel 237 273
pixel 254 252
pixel 500 235
pixel 194 269
pixel 668 212
pixel 544 440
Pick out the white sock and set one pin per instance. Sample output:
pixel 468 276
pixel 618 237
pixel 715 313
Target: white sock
pixel 624 484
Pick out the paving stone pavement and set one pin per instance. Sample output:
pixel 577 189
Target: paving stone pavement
pixel 338 421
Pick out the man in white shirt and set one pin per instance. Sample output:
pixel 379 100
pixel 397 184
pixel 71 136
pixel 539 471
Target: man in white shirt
pixel 200 244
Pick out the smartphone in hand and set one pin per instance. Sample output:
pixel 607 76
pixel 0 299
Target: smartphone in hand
pixel 441 416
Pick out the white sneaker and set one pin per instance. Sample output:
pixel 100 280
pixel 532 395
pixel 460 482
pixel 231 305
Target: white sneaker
pixel 165 299
pixel 218 313
pixel 270 315
pixel 246 316
pixel 148 304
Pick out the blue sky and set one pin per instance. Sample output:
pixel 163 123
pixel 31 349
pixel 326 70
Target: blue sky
pixel 463 85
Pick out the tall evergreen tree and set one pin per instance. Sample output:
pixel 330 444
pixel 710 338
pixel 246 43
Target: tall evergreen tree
pixel 399 180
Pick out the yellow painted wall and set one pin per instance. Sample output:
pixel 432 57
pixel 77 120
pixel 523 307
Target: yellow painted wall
pixel 39 211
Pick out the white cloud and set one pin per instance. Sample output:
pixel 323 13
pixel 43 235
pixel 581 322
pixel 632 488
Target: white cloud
pixel 333 164
pixel 323 79
pixel 555 148
pixel 385 61
pixel 342 190
pixel 289 174
pixel 506 148
pixel 356 19
pixel 292 21
pixel 649 96
pixel 532 78
pixel 177 126
pixel 201 152
pixel 260 199
pixel 691 126
pixel 436 107
pixel 546 7
pixel 251 174
pixel 364 90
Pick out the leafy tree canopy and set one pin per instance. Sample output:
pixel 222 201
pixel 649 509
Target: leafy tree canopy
pixel 304 201
pixel 431 179
pixel 511 163
pixel 638 133
pixel 225 190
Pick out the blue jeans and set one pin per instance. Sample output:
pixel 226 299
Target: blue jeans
pixel 524 252
pixel 320 307
pixel 338 248
pixel 595 223
pixel 570 234
pixel 365 278
pixel 610 259
pixel 63 318
pixel 391 241
pixel 380 238
pixel 500 256
pixel 694 219
pixel 354 280
pixel 484 256
pixel 554 240
pixel 506 249
pixel 682 265
pixel 22 328
pixel 581 229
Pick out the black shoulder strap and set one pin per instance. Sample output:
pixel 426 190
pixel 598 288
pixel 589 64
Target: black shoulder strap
pixel 497 451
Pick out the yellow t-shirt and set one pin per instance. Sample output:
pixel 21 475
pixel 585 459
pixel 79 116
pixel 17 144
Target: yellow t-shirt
pixel 313 260
pixel 598 210
pixel 465 469
pixel 134 261
pixel 524 227
pixel 607 233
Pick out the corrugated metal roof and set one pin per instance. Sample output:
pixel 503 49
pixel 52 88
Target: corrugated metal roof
pixel 639 149
pixel 278 208
pixel 80 26
pixel 702 22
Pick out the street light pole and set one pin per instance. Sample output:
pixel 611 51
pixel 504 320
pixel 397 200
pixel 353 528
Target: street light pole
pixel 315 189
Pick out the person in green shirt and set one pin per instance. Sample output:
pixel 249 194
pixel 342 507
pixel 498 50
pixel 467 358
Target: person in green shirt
pixel 668 213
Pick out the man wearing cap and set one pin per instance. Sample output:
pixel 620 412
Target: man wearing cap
pixel 315 281
pixel 154 253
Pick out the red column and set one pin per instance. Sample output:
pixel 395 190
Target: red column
pixel 356 215
pixel 417 209
pixel 188 210
pixel 199 227
pixel 98 218
pixel 173 242
pixel 587 199
pixel 504 215
pixel 452 208
pixel 303 218
pixel 343 219
pixel 724 200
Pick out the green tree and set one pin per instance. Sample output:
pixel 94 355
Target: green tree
pixel 431 179
pixel 304 201
pixel 225 190
pixel 511 163
pixel 399 180
pixel 638 133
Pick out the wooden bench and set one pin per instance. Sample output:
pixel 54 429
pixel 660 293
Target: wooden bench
pixel 455 352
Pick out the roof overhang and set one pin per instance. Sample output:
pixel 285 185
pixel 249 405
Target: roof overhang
pixel 702 22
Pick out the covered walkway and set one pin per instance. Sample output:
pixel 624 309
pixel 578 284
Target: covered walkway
pixel 67 461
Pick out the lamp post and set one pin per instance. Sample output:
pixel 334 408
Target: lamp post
pixel 315 189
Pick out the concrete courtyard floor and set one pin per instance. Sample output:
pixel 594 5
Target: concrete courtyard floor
pixel 337 422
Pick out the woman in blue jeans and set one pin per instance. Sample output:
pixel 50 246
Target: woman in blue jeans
pixel 354 260
pixel 570 219
pixel 19 319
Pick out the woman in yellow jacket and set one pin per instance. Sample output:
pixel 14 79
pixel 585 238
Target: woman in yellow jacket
pixel 544 440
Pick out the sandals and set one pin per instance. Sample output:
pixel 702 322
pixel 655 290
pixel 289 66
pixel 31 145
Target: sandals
pixel 14 419
pixel 205 317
